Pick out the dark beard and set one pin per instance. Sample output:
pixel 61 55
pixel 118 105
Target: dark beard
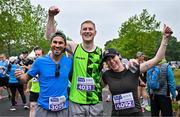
pixel 57 53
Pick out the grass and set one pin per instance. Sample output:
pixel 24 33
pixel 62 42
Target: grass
pixel 177 79
pixel 177 76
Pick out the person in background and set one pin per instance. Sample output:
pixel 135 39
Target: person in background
pixel 25 61
pixel 123 83
pixel 33 86
pixel 160 99
pixel 142 93
pixel 38 52
pixel 15 85
pixel 3 76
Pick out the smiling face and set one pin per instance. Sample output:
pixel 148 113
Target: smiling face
pixel 2 57
pixel 38 53
pixel 57 46
pixel 114 63
pixel 88 31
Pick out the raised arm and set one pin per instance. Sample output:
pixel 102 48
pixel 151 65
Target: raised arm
pixel 161 51
pixel 50 27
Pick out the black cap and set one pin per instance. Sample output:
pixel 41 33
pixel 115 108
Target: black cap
pixel 111 52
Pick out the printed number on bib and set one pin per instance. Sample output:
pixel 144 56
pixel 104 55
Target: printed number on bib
pixel 123 101
pixel 57 103
pixel 85 84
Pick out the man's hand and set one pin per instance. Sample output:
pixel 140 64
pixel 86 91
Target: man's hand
pixel 53 10
pixel 167 31
pixel 27 91
pixel 18 73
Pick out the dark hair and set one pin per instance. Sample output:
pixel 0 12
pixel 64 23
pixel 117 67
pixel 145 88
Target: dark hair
pixel 89 21
pixel 60 34
pixel 38 48
pixel 9 67
pixel 24 52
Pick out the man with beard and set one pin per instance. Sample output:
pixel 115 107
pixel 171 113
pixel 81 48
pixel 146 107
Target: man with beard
pixel 53 70
pixel 85 92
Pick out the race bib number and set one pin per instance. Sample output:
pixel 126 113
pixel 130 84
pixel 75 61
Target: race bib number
pixel 123 101
pixel 85 84
pixel 57 103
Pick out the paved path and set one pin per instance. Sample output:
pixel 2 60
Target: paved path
pixel 20 112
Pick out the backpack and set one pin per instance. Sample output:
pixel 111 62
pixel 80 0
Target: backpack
pixel 156 76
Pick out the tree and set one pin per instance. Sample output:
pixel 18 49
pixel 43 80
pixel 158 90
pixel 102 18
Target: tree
pixel 22 25
pixel 139 33
pixel 173 51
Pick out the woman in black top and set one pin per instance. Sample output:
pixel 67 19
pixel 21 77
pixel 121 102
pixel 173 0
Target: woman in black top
pixel 123 83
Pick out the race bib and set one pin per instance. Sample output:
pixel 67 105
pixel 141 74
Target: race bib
pixel 85 84
pixel 57 103
pixel 123 101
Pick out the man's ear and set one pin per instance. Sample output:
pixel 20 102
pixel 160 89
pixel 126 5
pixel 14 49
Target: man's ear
pixel 80 32
pixel 95 32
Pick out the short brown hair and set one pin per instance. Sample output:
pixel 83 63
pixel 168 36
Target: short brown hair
pixel 89 21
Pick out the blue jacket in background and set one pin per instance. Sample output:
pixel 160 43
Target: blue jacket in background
pixel 169 82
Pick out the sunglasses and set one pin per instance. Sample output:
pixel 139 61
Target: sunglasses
pixel 57 73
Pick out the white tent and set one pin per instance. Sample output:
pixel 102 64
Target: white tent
pixel 31 54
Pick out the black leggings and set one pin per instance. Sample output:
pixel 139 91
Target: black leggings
pixel 13 88
pixel 161 103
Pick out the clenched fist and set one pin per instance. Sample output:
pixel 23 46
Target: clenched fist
pixel 53 10
pixel 167 31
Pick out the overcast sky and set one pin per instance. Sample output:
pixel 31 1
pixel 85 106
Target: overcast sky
pixel 109 15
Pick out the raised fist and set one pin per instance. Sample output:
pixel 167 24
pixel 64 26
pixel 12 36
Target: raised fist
pixel 167 31
pixel 53 10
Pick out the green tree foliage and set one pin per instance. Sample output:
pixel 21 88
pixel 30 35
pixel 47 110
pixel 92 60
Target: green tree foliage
pixel 22 26
pixel 173 50
pixel 139 33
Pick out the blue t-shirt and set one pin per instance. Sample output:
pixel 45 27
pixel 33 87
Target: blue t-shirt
pixel 3 68
pixel 52 89
pixel 12 78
